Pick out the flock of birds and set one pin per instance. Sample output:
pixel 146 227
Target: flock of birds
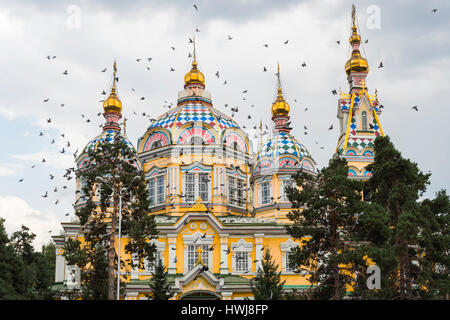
pixel 69 173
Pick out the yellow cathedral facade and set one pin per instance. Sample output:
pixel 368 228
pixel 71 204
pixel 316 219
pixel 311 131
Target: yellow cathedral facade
pixel 217 202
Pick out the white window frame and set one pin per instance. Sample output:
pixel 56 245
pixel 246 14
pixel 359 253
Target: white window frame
pixel 236 191
pixel 285 182
pixel 157 198
pixel 147 268
pixel 238 249
pixel 197 185
pixel 196 239
pixel 286 249
pixel 364 121
pixel 269 194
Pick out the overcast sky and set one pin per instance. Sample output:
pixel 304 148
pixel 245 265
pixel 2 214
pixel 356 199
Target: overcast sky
pixel 86 36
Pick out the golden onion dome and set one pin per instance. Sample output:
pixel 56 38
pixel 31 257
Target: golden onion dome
pixel 357 62
pixel 280 107
pixel 194 76
pixel 113 103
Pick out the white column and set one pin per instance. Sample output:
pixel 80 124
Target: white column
pixel 223 254
pixel 59 266
pixel 135 269
pixel 172 240
pixel 258 250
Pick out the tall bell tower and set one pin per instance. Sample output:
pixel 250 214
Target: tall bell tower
pixel 358 112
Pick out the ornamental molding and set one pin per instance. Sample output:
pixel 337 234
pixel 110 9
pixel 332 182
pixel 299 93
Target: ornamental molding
pixel 288 245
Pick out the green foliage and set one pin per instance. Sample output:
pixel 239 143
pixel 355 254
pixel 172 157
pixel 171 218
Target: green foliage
pixel 25 273
pixel 158 283
pixel 409 252
pixel 116 163
pixel 331 212
pixel 267 285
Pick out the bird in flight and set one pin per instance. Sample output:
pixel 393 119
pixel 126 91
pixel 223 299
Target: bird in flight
pixel 46 100
pixel 304 64
pixel 104 70
pixel 229 37
pixel 264 70
pixel 338 42
pixel 172 69
pixel 381 65
pixel 334 92
pixel 286 41
pixel 331 127
pixel 434 10
pixel 415 108
pixel 195 7
pixel 65 72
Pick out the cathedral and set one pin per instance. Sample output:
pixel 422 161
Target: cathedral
pixel 218 200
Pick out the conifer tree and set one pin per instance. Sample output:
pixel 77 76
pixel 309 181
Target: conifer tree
pixel 267 285
pixel 327 209
pixel 396 184
pixel 116 163
pixel 158 283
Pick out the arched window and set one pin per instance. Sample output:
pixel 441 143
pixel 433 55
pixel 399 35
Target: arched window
pixel 235 147
pixel 156 144
pixel 364 121
pixel 196 140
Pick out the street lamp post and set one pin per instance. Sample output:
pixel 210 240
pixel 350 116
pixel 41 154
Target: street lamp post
pixel 100 179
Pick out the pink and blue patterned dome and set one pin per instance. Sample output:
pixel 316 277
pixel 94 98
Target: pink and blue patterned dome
pixel 283 151
pixel 108 136
pixel 191 112
pixel 193 121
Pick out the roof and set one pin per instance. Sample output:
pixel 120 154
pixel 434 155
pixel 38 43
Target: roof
pixel 106 135
pixel 193 111
pixel 283 145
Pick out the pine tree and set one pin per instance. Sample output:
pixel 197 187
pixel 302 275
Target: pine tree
pixel 267 285
pixel 158 283
pixel 327 209
pixel 116 163
pixel 396 185
pixel 25 273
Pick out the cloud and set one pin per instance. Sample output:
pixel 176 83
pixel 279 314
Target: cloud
pixel 18 212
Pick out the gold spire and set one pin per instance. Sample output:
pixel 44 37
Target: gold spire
pixel 356 62
pixel 280 107
pixel 194 76
pixel 113 103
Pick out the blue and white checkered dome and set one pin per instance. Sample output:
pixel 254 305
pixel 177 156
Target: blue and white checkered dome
pixel 106 135
pixel 192 112
pixel 194 121
pixel 283 151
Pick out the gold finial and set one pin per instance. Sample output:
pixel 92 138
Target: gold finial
pixel 194 51
pixel 356 63
pixel 280 107
pixel 114 76
pixel 194 76
pixel 278 75
pixel 353 16
pixel 113 102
